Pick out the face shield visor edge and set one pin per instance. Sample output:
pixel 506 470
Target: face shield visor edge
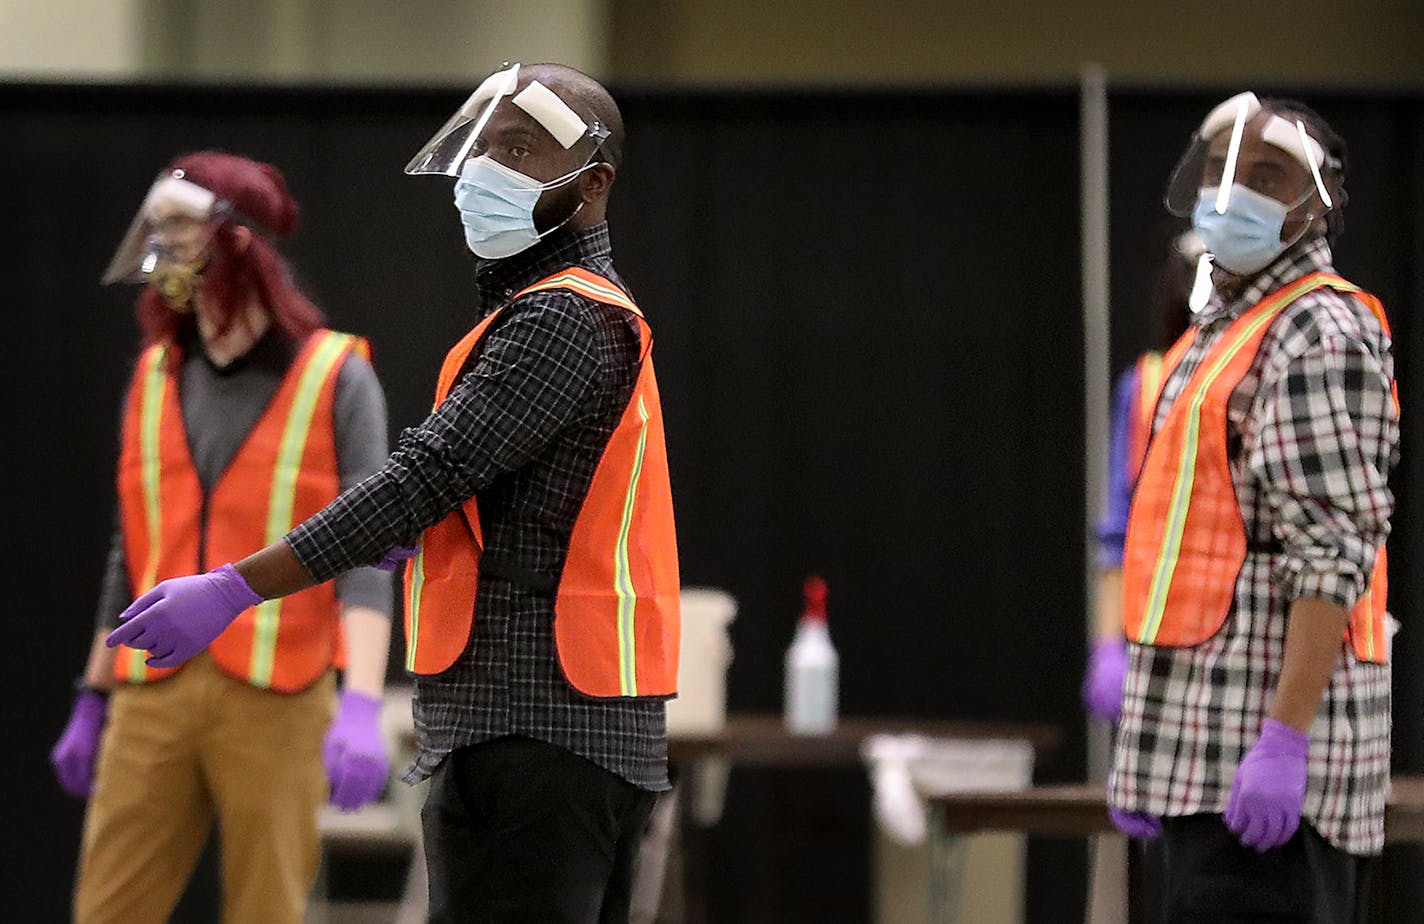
pixel 499 120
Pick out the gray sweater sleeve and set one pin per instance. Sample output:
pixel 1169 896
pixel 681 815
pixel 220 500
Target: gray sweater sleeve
pixel 361 448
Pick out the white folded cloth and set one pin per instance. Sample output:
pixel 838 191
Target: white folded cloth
pixel 905 768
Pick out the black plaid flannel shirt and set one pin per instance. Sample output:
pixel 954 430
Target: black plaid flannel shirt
pixel 522 431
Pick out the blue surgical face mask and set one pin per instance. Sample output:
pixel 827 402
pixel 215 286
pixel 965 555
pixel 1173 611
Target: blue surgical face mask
pixel 496 206
pixel 1248 237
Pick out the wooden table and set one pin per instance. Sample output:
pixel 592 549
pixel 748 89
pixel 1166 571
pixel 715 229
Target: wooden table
pixel 762 739
pixel 1080 810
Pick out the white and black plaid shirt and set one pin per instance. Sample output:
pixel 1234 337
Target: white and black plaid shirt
pixel 523 431
pixel 1312 437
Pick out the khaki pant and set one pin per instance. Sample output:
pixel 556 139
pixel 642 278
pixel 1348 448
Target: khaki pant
pixel 196 748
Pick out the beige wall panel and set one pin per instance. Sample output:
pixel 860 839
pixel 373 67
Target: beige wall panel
pixel 907 41
pixel 435 40
pixel 69 38
pixel 367 41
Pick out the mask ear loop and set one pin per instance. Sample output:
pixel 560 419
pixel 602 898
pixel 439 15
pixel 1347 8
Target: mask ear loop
pixel 544 234
pixel 599 133
pixel 561 181
pixel 567 177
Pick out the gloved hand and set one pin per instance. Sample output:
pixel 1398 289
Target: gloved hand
pixel 1269 790
pixel 354 752
pixel 396 556
pixel 1140 825
pixel 73 754
pixel 1102 684
pixel 180 617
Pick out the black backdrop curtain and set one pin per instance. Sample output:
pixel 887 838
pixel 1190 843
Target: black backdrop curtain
pixel 868 339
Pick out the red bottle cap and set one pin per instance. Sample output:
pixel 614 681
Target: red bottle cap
pixel 814 595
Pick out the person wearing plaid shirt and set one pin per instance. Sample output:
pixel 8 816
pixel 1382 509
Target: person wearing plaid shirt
pixel 1261 754
pixel 539 794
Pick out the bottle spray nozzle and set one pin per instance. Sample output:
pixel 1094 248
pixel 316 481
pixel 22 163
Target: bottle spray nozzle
pixel 814 596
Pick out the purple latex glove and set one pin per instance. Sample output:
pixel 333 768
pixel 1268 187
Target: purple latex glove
pixel 1269 790
pixel 1139 825
pixel 396 556
pixel 73 754
pixel 180 617
pixel 354 752
pixel 1102 684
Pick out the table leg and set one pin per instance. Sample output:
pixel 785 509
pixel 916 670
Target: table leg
pixel 1136 912
pixel 695 852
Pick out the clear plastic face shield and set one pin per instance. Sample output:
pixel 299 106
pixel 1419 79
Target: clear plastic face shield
pixel 526 128
pixel 169 236
pixel 1242 145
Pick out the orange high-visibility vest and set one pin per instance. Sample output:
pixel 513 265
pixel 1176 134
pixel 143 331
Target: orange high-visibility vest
pixel 284 471
pixel 616 614
pixel 1186 540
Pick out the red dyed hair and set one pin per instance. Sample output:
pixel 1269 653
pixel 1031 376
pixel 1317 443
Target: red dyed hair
pixel 258 194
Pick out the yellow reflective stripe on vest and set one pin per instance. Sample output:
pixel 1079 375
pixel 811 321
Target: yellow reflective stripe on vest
pixel 1186 468
pixel 623 584
pixel 283 496
pixel 150 430
pixel 412 607
pixel 155 382
pixel 584 287
pixel 1150 380
pixel 1149 389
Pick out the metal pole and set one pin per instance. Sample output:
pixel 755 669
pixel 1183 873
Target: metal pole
pixel 1107 886
pixel 1093 151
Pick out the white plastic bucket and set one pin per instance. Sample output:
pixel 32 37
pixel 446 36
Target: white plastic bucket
pixel 701 704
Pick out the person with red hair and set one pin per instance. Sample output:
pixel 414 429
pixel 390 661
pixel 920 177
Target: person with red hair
pixel 244 417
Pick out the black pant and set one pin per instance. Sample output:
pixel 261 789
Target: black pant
pixel 1208 876
pixel 518 830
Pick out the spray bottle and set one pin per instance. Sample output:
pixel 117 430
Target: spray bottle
pixel 812 668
